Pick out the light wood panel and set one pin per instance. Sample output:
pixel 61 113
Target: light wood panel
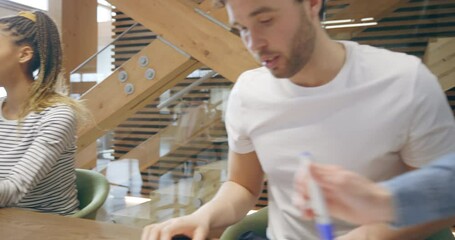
pixel 79 33
pixel 440 58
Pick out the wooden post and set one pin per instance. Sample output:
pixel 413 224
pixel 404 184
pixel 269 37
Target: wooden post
pixel 77 21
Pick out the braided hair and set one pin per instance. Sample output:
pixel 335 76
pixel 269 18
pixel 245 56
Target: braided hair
pixel 40 33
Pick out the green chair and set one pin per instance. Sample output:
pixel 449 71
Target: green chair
pixel 257 222
pixel 92 191
pixel 445 234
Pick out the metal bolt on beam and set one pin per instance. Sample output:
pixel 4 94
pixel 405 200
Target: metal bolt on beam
pixel 122 76
pixel 143 61
pixel 150 74
pixel 129 88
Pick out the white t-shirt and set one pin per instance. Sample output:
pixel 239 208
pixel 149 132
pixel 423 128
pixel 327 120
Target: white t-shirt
pixel 383 110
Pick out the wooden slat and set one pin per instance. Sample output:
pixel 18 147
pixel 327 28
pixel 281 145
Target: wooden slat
pixel 408 32
pixel 360 9
pixel 119 30
pixel 418 14
pixel 440 58
pixel 413 4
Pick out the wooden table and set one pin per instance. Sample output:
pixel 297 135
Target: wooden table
pixel 21 224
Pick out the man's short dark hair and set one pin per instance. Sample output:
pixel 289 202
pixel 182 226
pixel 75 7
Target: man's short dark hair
pixel 221 3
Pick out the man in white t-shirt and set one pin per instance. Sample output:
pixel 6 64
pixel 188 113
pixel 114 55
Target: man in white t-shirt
pixel 372 111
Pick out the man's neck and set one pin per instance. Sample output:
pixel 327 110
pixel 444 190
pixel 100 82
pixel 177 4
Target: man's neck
pixel 327 61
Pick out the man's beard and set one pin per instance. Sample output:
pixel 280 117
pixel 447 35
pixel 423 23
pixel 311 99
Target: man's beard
pixel 302 48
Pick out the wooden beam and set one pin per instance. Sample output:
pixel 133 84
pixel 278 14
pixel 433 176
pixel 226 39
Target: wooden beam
pixel 218 13
pixel 109 103
pixel 81 87
pixel 86 158
pixel 440 59
pixel 79 30
pixel 207 42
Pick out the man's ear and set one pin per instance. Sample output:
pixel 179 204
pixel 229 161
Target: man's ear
pixel 316 7
pixel 25 54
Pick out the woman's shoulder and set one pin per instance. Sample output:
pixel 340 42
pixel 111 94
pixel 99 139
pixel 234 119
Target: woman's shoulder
pixel 58 111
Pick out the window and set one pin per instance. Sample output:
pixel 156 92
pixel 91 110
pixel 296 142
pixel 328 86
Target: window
pixel 40 4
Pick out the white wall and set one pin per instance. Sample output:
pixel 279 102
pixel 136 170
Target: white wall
pixel 40 4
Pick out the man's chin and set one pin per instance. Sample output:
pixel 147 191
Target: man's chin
pixel 279 74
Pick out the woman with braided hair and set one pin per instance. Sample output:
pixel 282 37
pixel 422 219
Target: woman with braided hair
pixel 37 119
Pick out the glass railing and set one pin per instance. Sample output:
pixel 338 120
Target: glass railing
pixel 96 69
pixel 170 157
pixel 176 147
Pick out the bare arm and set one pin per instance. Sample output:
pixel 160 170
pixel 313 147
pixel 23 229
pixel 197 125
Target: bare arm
pixel 234 199
pixel 238 194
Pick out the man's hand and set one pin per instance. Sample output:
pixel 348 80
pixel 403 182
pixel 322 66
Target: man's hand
pixel 197 228
pixel 349 196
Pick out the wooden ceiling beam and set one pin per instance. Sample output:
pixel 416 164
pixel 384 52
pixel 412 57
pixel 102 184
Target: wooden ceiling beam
pixel 204 40
pixel 440 59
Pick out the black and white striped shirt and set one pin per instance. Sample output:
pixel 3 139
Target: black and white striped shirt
pixel 37 161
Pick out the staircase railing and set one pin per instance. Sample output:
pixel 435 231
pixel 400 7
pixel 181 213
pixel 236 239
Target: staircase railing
pixel 83 64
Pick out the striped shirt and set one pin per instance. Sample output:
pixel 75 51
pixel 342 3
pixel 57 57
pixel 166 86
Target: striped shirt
pixel 37 161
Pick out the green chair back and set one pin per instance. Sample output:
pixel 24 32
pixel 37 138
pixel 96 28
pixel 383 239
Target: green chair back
pixel 92 191
pixel 256 222
pixel 444 234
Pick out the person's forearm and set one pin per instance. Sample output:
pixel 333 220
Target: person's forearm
pixel 230 204
pixel 424 195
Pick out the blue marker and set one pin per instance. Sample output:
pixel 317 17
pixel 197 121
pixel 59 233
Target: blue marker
pixel 322 217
